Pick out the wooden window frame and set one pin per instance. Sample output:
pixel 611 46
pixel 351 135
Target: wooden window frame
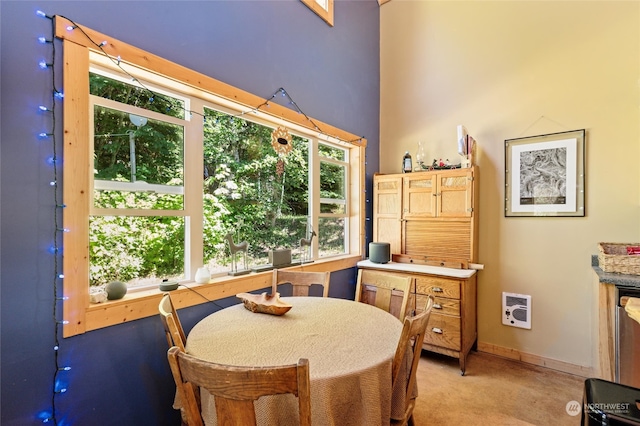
pixel 82 316
pixel 325 14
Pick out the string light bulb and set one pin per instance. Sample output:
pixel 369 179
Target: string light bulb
pixel 43 15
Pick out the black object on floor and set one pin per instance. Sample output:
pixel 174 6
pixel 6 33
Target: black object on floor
pixel 609 403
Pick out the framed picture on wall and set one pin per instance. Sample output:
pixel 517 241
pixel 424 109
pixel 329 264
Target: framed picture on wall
pixel 544 175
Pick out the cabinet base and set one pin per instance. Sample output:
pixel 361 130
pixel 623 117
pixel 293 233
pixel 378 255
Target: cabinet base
pixel 461 355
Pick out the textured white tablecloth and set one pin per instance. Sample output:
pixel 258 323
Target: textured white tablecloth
pixel 350 347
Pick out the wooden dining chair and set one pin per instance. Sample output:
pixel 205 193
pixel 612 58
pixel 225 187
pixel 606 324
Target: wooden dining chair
pixel 378 288
pixel 235 389
pixel 411 338
pixel 301 281
pixel 172 326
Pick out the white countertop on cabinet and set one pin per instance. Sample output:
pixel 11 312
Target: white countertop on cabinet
pixel 420 269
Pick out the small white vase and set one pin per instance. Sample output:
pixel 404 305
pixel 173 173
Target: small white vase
pixel 202 275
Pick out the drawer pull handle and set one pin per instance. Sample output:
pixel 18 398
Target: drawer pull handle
pixel 437 330
pixel 436 289
pixel 437 306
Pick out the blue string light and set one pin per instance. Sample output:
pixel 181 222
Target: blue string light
pixel 57 388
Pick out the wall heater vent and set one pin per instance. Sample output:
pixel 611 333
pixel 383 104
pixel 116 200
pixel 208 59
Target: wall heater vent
pixel 516 310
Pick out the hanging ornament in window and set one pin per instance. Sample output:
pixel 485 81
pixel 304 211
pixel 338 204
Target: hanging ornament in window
pixel 281 143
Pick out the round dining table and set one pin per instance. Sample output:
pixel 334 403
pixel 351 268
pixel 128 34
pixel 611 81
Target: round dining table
pixel 350 347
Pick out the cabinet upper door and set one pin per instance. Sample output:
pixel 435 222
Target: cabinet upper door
pixel 455 194
pixel 387 211
pixel 419 196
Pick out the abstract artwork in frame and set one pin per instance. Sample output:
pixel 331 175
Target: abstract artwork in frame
pixel 544 175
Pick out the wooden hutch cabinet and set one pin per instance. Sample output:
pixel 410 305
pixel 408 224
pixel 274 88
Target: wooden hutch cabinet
pixel 430 221
pixel 429 216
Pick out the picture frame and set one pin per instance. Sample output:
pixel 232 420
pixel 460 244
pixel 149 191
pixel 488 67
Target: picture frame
pixel 545 175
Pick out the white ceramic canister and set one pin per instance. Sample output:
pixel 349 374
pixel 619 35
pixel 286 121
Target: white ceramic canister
pixel 202 275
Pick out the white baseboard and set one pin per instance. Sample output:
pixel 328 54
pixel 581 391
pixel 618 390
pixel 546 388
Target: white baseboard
pixel 554 364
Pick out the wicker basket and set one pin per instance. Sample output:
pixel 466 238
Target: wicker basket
pixel 613 257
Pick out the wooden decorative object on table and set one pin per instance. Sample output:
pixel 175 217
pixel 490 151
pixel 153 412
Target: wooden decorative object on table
pixel 264 303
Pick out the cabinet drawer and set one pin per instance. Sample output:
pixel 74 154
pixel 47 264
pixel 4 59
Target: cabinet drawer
pixel 438 287
pixel 441 305
pixel 443 331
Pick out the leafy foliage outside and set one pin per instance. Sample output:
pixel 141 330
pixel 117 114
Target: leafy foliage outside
pixel 242 194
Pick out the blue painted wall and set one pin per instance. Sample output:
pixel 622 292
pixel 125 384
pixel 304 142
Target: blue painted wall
pixel 120 374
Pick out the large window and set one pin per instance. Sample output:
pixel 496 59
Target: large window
pixel 250 189
pixel 159 167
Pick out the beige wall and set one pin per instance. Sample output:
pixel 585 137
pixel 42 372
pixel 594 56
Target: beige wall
pixel 508 69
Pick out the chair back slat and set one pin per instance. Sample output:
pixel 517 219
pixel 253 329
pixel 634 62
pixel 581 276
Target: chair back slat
pixel 234 412
pixel 172 326
pixel 301 281
pixel 383 290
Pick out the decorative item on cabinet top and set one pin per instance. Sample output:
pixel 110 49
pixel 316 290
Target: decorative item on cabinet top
pixel 379 252
pixel 466 147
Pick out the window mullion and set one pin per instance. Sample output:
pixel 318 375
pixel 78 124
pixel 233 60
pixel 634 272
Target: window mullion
pixel 193 175
pixel 314 192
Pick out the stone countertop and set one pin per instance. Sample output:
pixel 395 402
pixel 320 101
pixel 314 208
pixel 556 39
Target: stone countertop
pixel 623 280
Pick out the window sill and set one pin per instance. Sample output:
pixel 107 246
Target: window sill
pixel 142 304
